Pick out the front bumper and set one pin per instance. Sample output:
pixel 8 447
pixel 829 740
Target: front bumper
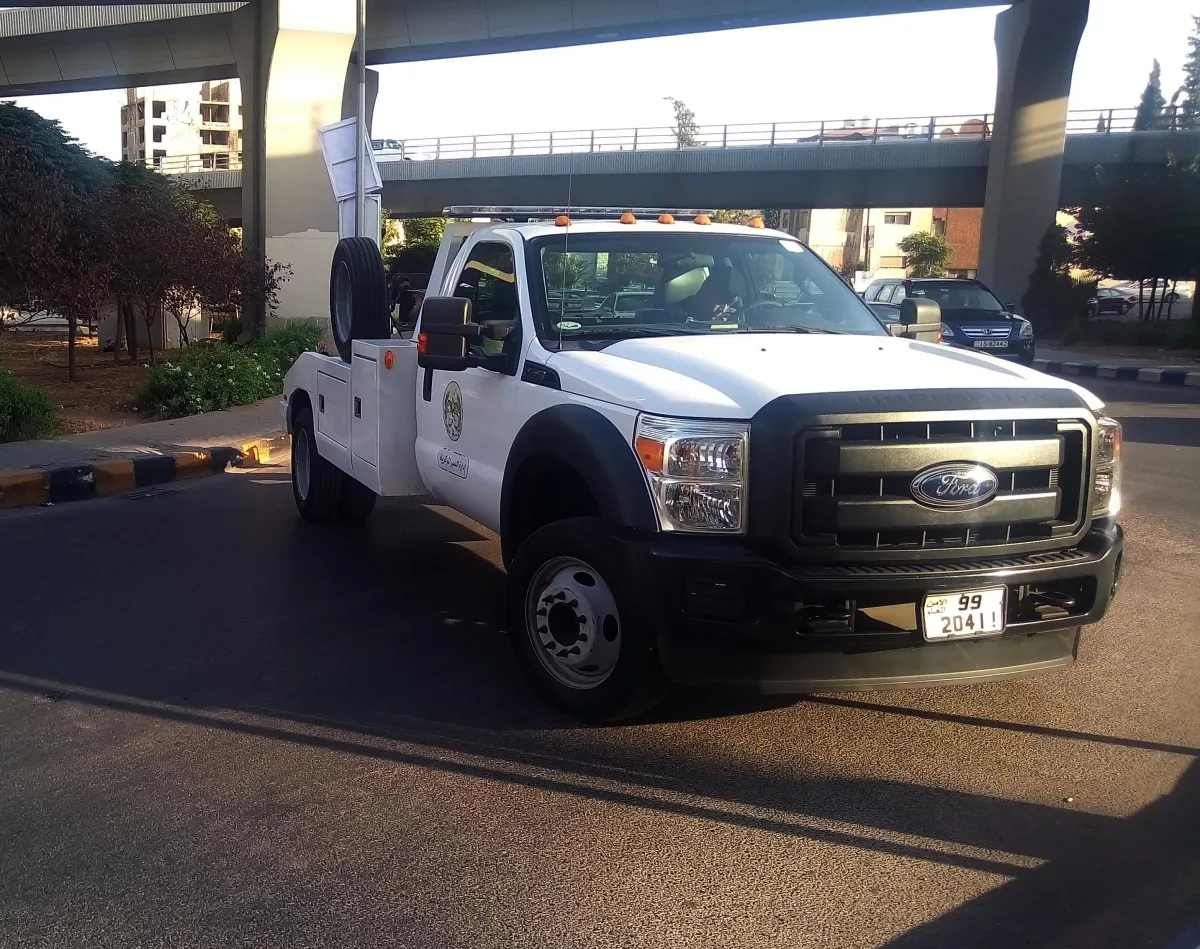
pixel 729 615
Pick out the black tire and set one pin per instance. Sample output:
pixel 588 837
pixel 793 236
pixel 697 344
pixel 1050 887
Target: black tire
pixel 636 681
pixel 358 297
pixel 316 484
pixel 357 501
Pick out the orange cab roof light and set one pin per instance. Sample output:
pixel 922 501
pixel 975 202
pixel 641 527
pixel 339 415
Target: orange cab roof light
pixel 562 220
pixel 628 218
pixel 703 219
pixel 666 219
pixel 755 222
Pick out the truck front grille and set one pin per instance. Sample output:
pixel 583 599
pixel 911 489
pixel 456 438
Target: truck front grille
pixel 854 485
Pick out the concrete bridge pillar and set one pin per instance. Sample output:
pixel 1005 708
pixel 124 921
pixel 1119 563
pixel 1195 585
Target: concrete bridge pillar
pixel 1036 43
pixel 292 58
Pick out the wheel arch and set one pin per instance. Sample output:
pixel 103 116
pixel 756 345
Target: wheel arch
pixel 571 461
pixel 299 399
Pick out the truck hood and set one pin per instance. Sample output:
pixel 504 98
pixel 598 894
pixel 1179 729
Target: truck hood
pixel 734 376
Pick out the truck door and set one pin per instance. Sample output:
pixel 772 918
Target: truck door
pixel 464 427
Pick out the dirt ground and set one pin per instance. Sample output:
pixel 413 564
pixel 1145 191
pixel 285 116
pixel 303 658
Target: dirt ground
pixel 103 395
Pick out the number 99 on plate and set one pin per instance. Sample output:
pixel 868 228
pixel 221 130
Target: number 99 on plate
pixel 964 615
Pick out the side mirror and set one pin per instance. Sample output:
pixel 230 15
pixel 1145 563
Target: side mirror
pixel 920 319
pixel 1011 307
pixel 445 323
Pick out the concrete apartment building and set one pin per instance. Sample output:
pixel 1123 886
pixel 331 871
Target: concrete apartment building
pixel 183 128
pixel 867 240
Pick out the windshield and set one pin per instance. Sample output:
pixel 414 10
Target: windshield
pixel 661 284
pixel 957 295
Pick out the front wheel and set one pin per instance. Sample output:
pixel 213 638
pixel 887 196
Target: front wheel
pixel 572 627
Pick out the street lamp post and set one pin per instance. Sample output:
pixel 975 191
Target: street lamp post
pixel 360 158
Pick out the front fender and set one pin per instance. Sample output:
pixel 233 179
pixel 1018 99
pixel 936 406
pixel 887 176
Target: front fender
pixel 586 441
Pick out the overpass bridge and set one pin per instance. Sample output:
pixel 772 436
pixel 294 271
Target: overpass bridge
pixel 292 59
pixel 932 162
pixel 57 47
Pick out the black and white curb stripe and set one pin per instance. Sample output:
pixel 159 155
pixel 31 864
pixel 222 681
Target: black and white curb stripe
pixel 1096 370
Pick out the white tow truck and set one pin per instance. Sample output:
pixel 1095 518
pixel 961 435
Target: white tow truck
pixel 723 486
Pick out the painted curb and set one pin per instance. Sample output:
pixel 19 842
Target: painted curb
pixel 1093 370
pixel 30 486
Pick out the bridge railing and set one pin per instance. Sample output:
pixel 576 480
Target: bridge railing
pixel 808 133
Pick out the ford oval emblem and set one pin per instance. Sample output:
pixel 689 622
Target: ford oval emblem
pixel 955 487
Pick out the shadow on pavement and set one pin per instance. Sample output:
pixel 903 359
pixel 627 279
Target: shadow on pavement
pixel 386 643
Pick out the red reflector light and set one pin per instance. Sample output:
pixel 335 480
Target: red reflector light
pixel 422 343
pixel 389 359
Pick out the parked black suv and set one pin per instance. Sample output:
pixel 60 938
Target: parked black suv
pixel 972 317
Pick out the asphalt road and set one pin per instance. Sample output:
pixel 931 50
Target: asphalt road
pixel 221 727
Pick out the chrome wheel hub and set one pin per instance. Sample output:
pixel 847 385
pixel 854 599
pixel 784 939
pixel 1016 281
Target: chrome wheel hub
pixel 572 621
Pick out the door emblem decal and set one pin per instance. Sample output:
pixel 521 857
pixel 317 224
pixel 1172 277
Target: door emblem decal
pixel 452 411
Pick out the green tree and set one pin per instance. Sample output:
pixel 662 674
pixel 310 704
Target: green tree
pixel 685 129
pixel 626 270
pixel 418 251
pixel 72 241
pixel 926 254
pixel 736 215
pixel 565 271
pixel 1144 226
pixel 1054 298
pixel 1189 107
pixel 1150 109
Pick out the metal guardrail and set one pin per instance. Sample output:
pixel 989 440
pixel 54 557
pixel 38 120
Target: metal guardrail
pixel 977 126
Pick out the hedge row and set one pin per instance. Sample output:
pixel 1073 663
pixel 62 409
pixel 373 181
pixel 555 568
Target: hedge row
pixel 214 378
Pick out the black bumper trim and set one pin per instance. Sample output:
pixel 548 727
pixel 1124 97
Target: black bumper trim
pixel 762 648
pixel 954 663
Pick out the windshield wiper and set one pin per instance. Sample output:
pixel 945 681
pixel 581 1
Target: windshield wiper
pixel 631 331
pixel 789 328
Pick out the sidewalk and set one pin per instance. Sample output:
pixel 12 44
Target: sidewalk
pixel 119 459
pixel 1096 363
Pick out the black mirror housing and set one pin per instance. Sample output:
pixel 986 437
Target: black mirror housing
pixel 442 331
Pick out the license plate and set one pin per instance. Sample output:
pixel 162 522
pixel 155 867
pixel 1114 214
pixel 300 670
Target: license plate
pixel 991 344
pixel 964 615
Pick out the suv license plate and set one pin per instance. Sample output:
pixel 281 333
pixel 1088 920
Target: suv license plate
pixel 991 344
pixel 964 615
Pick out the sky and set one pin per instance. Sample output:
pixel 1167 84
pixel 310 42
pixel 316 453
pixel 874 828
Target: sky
pixel 898 66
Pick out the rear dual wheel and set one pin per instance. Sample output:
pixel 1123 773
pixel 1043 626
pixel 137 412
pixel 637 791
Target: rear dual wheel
pixel 322 491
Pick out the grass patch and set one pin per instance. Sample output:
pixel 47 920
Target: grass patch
pixel 25 412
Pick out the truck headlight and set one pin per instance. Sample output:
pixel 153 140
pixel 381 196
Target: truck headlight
pixel 696 471
pixel 1107 491
pixel 1026 330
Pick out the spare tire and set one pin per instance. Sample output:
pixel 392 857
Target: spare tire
pixel 358 299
